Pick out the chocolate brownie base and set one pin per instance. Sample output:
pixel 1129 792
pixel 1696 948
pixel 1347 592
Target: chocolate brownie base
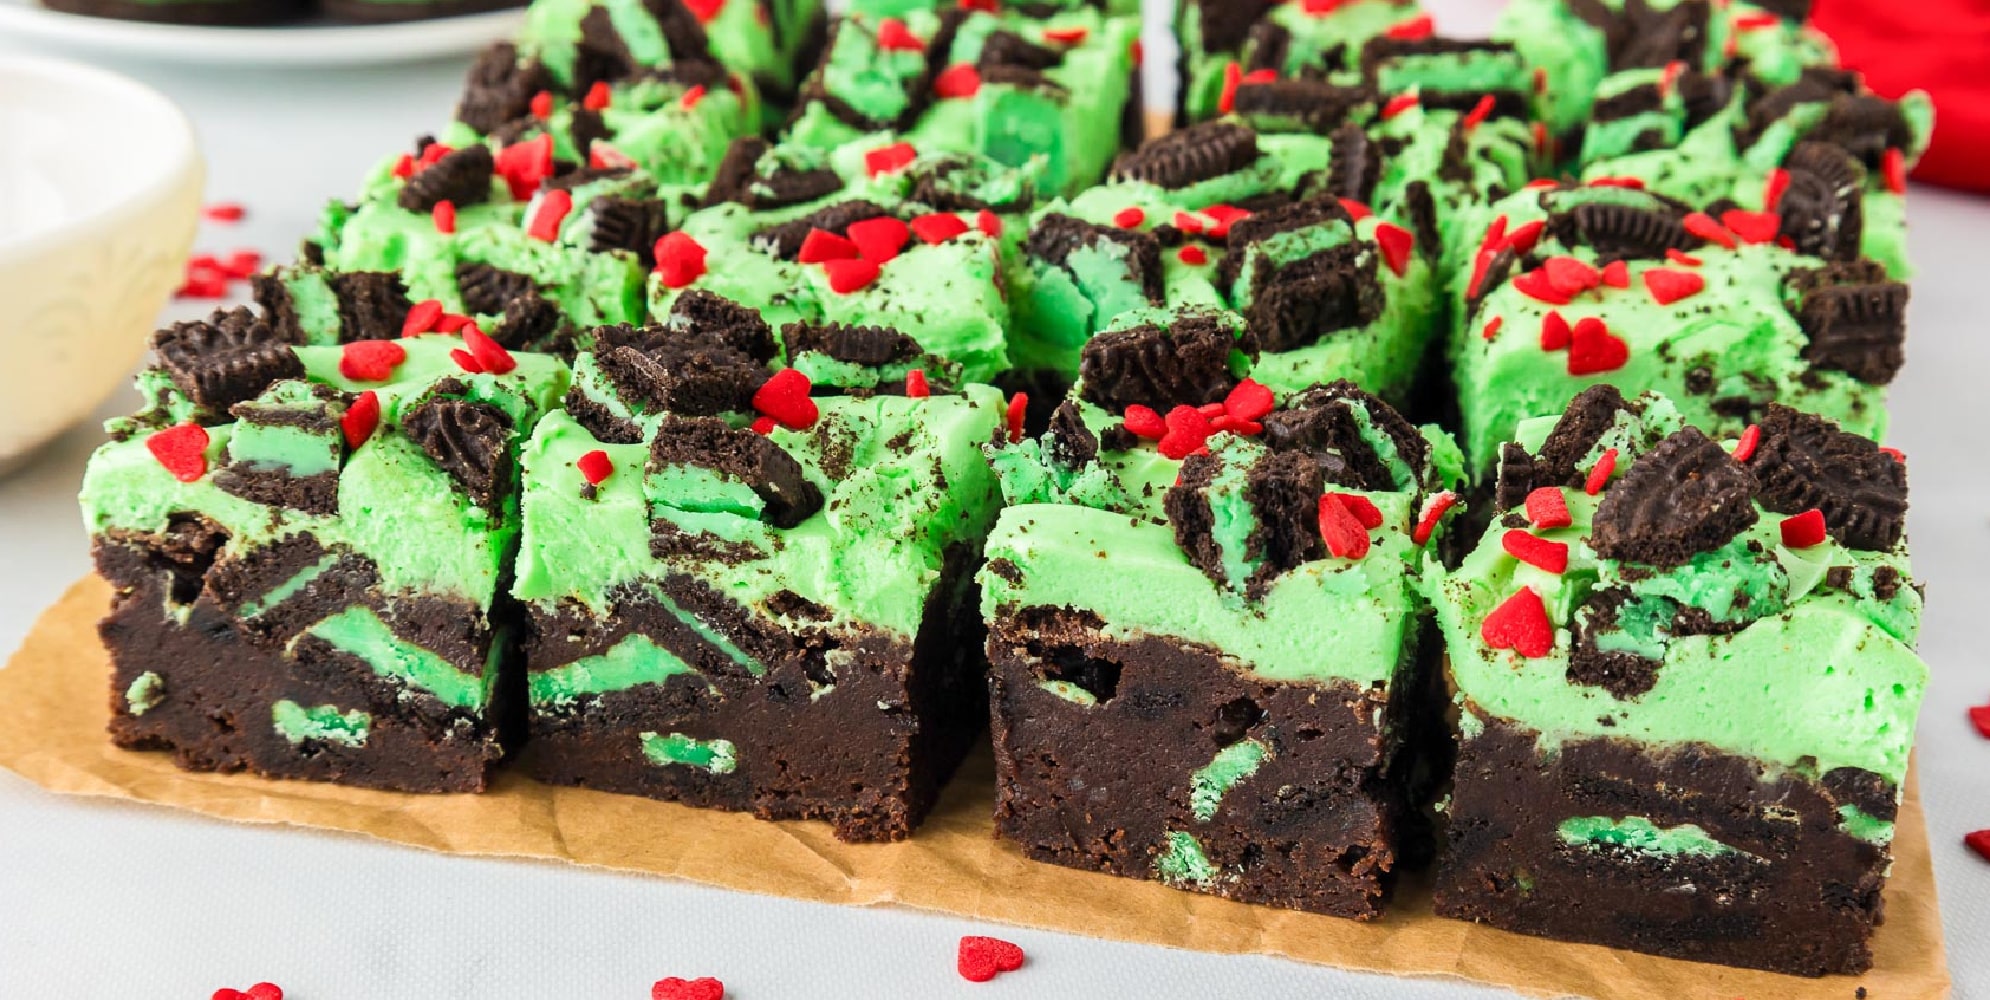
pixel 858 729
pixel 202 12
pixel 1318 826
pixel 1802 899
pixel 219 676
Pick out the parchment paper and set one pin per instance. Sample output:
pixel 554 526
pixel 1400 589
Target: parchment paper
pixel 54 702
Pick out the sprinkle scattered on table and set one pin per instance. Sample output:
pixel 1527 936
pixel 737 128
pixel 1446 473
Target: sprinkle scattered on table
pixel 983 958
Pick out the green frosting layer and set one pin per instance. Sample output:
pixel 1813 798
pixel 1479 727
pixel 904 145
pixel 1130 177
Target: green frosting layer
pixel 360 632
pixel 323 723
pixel 716 756
pixel 1639 835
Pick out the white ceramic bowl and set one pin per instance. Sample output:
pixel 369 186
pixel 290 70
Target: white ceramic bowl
pixel 100 185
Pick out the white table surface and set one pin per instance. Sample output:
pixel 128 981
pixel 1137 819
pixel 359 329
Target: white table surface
pixel 105 899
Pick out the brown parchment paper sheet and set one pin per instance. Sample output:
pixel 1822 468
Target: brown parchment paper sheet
pixel 54 702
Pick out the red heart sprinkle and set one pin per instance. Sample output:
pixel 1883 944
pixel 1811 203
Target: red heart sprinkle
pixel 431 155
pixel 451 322
pixel 225 211
pixel 466 361
pixel 602 156
pixel 1755 227
pixel 404 167
pixel 1396 243
pixel 1492 327
pixel 915 384
pixel 701 988
pixel 1669 76
pixel 958 80
pixel 1522 240
pixel 1320 8
pixel 1127 218
pixel 989 223
pixel 1480 263
pixel 594 466
pixel 553 209
pixel 360 418
pixel 894 36
pixel 1420 26
pixel 542 105
pixel 242 264
pixel 444 216
pixel 1677 257
pixel 491 356
pixel 1222 217
pixel 980 958
pixel 1633 183
pixel 1979 716
pixel 1189 223
pixel 1703 225
pixel 1978 841
pixel 1772 190
pixel 938 228
pixel 1570 276
pixel 181 449
pixel 1363 509
pixel 821 245
pixel 1555 332
pixel 260 991
pixel 1250 400
pixel 370 360
pixel 1261 76
pixel 1895 454
pixel 1226 422
pixel 1233 76
pixel 1751 438
pixel 785 398
pixel 1617 274
pixel 1804 530
pixel 1547 508
pixel 1144 422
pixel 879 239
pixel 421 317
pixel 1341 529
pixel 1019 407
pixel 597 96
pixel 1893 167
pixel 764 426
pixel 1188 432
pixel 704 10
pixel 1599 474
pixel 886 159
pixel 854 274
pixel 1211 410
pixel 1593 349
pixel 692 97
pixel 1535 551
pixel 1535 285
pixel 1755 22
pixel 1520 624
pixel 1398 104
pixel 523 165
pixel 1434 510
pixel 1065 36
pixel 1479 113
pixel 1668 286
pixel 1541 184
pixel 1356 210
pixel 680 260
pixel 1192 255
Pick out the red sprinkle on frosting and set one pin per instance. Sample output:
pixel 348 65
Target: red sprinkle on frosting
pixel 1893 167
pixel 989 223
pixel 980 959
pixel 1127 218
pixel 370 360
pixel 553 208
pixel 491 356
pixel 915 384
pixel 1363 509
pixel 1355 210
pixel 594 466
pixel 1520 624
pixel 784 397
pixel 1535 285
pixel 542 105
pixel 1804 530
pixel 1668 286
pixel 1396 243
pixel 1420 26
pixel 1019 407
pixel 822 245
pixel 1772 190
pixel 1755 227
pixel 1250 400
pixel 1703 225
pixel 1233 76
pixel 1434 510
pixel 466 361
pixel 692 97
pixel 1540 553
pixel 680 260
pixel 1479 112
pixel 1144 422
pixel 764 426
pixel 1751 438
pixel 1522 240
pixel 852 274
pixel 523 165
pixel 597 96
pixel 1599 474
pixel 182 449
pixel 879 239
pixel 422 317
pixel 957 81
pixel 1617 274
pixel 1683 259
pixel 1633 183
pixel 360 418
pixel 1398 104
pixel 701 988
pixel 1492 327
pixel 1570 276
pixel 1188 431
pixel 938 227
pixel 1190 223
pixel 1222 217
pixel 704 10
pixel 444 217
pixel 1341 529
pixel 889 159
pixel 1548 508
pixel 1593 349
pixel 1065 36
pixel 1555 332
pixel 1192 255
pixel 894 36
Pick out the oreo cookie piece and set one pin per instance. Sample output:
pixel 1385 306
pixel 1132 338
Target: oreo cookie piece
pixel 1284 489
pixel 1185 363
pixel 713 317
pixel 469 440
pixel 228 358
pixel 1193 154
pixel 1658 37
pixel 461 178
pixel 1356 166
pixel 628 224
pixel 738 179
pixel 1193 518
pixel 1684 497
pixel 1071 444
pixel 1300 104
pixel 1583 423
pixel 1815 85
pixel 1321 422
pixel 1823 208
pixel 499 89
pixel 1056 236
pixel 1292 304
pixel 785 239
pixel 1515 477
pixel 373 305
pixel 1855 318
pixel 488 290
pixel 771 473
pixel 1266 47
pixel 1805 461
pixel 1865 126
pixel 533 323
pixel 1624 674
pixel 656 370
pixel 1621 232
pixel 870 346
pixel 1006 48
pixel 1226 24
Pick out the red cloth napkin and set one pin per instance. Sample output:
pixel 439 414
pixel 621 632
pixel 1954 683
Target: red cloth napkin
pixel 1940 46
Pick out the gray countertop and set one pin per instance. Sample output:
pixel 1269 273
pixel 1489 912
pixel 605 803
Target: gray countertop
pixel 104 899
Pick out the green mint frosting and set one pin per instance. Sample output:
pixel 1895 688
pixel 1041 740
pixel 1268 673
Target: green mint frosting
pixel 323 723
pixel 715 756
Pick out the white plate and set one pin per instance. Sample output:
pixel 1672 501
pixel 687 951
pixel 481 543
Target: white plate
pixel 307 43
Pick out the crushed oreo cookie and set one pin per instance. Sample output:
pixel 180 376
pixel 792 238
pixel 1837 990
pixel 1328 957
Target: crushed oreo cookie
pixel 1072 445
pixel 628 224
pixel 785 239
pixel 470 440
pixel 711 316
pixel 770 472
pixel 1583 423
pixel 1822 210
pixel 500 89
pixel 1804 461
pixel 1321 422
pixel 1185 363
pixel 1855 317
pixel 870 346
pixel 1622 673
pixel 225 359
pixel 462 178
pixel 1056 236
pixel 1621 232
pixel 1193 154
pixel 656 371
pixel 1293 304
pixel 487 290
pixel 1302 104
pixel 373 305
pixel 1283 488
pixel 1684 497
